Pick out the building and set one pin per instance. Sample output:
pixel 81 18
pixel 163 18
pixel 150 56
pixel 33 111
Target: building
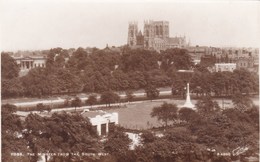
pixel 244 62
pixel 219 67
pixel 155 36
pixel 102 122
pixel 29 62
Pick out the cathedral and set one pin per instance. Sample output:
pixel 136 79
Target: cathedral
pixel 155 36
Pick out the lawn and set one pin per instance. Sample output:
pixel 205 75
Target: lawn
pixel 137 115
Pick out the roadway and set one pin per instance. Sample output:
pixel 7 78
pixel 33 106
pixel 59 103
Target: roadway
pixel 60 100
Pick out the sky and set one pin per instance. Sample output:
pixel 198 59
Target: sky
pixel 38 25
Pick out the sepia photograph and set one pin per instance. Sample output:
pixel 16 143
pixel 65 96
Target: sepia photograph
pixel 112 81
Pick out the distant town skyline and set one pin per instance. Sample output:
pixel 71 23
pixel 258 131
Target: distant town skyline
pixel 43 25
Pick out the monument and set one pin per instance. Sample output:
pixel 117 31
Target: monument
pixel 188 103
pixel 187 74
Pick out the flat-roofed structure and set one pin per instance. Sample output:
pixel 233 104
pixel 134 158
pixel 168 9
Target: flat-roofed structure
pixel 29 62
pixel 225 67
pixel 103 122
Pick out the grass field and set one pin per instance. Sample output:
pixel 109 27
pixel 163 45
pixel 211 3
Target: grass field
pixel 137 116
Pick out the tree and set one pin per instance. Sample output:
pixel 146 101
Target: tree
pixel 109 97
pixel 166 112
pixel 35 82
pixel 206 106
pixel 241 102
pixel 9 67
pixel 152 92
pixel 62 132
pixel 136 79
pixel 40 107
pixel 139 60
pixel 187 114
pixel 66 102
pixel 12 88
pixel 178 57
pixel 11 134
pixel 76 102
pixel 148 137
pixel 68 81
pixel 92 100
pixel 244 81
pixel 218 83
pixel 129 96
pixel 117 144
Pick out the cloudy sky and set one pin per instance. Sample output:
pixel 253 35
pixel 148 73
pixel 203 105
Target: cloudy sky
pixel 29 25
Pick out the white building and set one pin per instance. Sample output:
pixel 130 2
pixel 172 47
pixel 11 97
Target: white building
pixel 103 122
pixel 29 62
pixel 225 67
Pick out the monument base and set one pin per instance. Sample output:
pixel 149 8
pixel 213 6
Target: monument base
pixel 188 105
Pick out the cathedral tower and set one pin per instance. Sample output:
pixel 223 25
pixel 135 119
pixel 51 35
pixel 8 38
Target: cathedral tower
pixel 132 33
pixel 148 34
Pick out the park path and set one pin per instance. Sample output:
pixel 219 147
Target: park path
pixel 61 100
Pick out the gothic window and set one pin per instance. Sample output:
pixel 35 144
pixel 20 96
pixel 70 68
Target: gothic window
pixel 131 43
pixel 146 43
pixel 132 33
pixel 157 30
pixel 161 30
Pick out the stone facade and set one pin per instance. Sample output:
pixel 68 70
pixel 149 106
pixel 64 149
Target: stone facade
pixel 219 67
pixel 104 123
pixel 27 63
pixel 155 36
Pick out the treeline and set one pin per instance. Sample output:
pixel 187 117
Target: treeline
pixel 104 70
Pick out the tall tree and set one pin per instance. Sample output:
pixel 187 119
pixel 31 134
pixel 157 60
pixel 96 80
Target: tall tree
pixel 9 67
pixel 12 88
pixel 129 95
pixel 242 102
pixel 76 102
pixel 152 92
pixel 92 100
pixel 243 81
pixel 166 112
pixel 206 106
pixel 187 114
pixel 179 58
pixel 117 144
pixel 11 134
pixel 109 97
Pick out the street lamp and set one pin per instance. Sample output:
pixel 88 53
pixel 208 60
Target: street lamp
pixel 187 74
